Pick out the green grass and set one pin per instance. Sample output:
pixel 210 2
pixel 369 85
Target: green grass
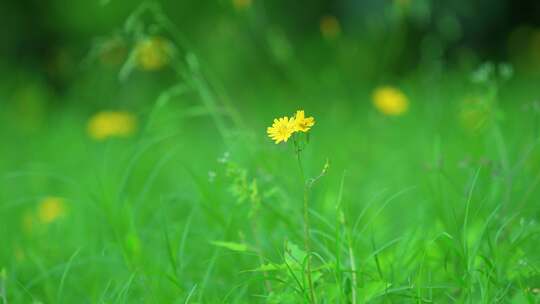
pixel 412 209
pixel 199 206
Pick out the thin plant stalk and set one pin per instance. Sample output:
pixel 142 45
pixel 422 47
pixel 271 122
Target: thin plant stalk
pixel 354 282
pixel 307 245
pixel 348 232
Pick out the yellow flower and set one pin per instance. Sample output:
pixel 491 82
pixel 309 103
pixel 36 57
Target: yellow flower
pixel 153 53
pixel 330 27
pixel 50 209
pixel 111 124
pixel 281 129
pixel 390 101
pixel 302 123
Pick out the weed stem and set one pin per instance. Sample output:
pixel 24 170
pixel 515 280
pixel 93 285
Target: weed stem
pixel 307 246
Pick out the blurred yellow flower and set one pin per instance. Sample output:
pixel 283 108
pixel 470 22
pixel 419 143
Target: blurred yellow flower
pixel 281 129
pixel 50 209
pixel 241 4
pixel 111 124
pixel 330 27
pixel 390 101
pixel 302 123
pixel 153 53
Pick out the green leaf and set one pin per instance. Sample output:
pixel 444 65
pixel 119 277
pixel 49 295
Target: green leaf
pixel 269 267
pixel 231 246
pixel 294 255
pixel 373 290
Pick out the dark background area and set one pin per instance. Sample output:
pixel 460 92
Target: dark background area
pixel 52 38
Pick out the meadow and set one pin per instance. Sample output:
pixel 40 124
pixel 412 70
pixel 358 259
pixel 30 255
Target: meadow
pixel 419 187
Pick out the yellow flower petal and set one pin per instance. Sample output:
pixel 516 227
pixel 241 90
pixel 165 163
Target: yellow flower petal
pixel 390 101
pixel 50 209
pixel 153 53
pixel 301 123
pixel 281 129
pixel 111 124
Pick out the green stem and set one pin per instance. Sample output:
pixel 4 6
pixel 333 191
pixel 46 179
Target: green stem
pixel 354 282
pixel 254 229
pixel 307 246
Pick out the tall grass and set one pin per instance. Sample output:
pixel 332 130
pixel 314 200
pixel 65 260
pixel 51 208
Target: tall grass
pixel 201 207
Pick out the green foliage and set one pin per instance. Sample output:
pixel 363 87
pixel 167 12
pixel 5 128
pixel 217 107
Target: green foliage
pixel 439 205
pixel 231 246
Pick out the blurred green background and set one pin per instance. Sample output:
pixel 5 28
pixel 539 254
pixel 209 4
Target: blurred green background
pixel 60 46
pixel 135 165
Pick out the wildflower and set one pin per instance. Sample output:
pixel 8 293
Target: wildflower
pixel 390 101
pixel 241 4
pixel 111 124
pixel 330 27
pixel 50 209
pixel 302 123
pixel 153 53
pixel 281 129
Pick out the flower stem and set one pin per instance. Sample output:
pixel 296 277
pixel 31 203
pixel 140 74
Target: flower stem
pixel 307 246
